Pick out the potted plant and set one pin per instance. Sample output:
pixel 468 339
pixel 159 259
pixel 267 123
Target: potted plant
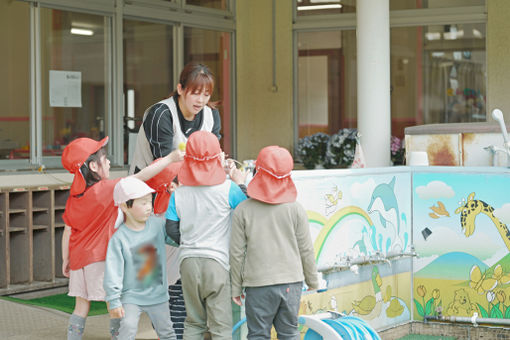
pixel 311 150
pixel 341 148
pixel 398 151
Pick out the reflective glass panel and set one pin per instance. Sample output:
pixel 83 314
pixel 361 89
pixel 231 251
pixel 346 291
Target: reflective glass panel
pixel 438 75
pixel 74 77
pixel 453 72
pixel 213 48
pixel 326 81
pixel 148 72
pixel 14 72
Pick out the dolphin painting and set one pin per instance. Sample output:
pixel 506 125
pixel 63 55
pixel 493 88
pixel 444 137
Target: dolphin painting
pixel 385 203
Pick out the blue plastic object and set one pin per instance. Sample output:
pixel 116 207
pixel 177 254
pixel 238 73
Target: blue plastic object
pixel 238 325
pixel 312 335
pixel 344 330
pixel 348 328
pixel 363 326
pixel 351 327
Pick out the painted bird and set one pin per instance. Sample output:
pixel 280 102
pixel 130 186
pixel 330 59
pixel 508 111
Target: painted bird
pixel 332 200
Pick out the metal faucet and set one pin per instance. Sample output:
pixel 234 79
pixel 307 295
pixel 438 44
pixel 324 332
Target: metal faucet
pixel 497 115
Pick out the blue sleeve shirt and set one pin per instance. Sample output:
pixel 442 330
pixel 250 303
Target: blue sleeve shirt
pixel 235 196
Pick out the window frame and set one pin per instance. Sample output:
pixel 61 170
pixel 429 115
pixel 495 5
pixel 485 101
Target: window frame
pixel 398 18
pixel 176 13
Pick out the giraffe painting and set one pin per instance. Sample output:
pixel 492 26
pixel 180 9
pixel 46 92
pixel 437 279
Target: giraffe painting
pixel 471 209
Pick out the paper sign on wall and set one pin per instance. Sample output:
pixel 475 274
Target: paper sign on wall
pixel 65 89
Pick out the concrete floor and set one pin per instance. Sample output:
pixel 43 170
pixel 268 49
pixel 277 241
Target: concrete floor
pixel 18 321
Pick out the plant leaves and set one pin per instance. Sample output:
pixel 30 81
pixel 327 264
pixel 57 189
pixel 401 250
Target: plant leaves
pixel 483 311
pixel 507 313
pixel 428 306
pixel 419 308
pixel 496 313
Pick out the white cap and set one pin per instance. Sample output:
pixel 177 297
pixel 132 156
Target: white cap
pixel 130 188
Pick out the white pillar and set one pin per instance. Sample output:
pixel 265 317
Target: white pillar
pixel 374 107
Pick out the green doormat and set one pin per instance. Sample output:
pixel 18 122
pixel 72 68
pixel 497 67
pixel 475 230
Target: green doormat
pixel 60 302
pixel 426 337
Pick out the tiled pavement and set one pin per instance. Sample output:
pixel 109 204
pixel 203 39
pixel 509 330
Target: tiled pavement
pixel 18 321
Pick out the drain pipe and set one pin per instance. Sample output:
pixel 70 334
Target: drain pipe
pixel 475 320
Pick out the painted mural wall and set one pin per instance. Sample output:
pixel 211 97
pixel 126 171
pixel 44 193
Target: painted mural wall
pixel 460 231
pixel 357 214
pixel 454 218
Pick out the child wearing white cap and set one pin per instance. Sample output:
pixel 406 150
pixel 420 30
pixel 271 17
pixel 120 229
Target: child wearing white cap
pixel 90 217
pixel 135 275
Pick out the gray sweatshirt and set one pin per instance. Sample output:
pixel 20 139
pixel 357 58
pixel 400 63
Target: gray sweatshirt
pixel 270 244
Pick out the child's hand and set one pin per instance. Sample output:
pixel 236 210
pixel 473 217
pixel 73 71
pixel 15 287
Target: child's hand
pixel 65 267
pixel 176 156
pixel 117 313
pixel 237 300
pixel 171 188
pixel 238 176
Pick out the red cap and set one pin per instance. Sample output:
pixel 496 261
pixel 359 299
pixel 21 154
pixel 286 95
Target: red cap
pixel 202 161
pixel 73 157
pixel 272 182
pixel 161 182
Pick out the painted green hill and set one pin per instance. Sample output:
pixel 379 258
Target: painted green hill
pixel 454 266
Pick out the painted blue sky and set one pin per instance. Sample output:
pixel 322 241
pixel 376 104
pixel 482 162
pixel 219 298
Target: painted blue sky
pixel 447 235
pixel 356 191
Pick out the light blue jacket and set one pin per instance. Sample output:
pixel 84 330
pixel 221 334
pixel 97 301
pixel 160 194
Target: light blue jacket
pixel 136 265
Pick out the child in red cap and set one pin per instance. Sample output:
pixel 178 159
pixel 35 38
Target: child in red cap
pixel 90 217
pixel 271 250
pixel 198 218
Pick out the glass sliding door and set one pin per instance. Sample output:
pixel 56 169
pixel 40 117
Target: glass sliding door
pixel 74 77
pixel 148 73
pixel 326 82
pixel 15 84
pixel 213 48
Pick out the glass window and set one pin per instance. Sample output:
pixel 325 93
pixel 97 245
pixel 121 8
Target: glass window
pixel 438 75
pixel 216 4
pixel 326 81
pixel 148 71
pixel 74 77
pixel 213 49
pixel 14 72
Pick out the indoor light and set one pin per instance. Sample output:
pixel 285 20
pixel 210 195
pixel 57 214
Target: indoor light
pixel 81 31
pixel 317 7
pixel 322 1
pixel 433 35
pixel 477 33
